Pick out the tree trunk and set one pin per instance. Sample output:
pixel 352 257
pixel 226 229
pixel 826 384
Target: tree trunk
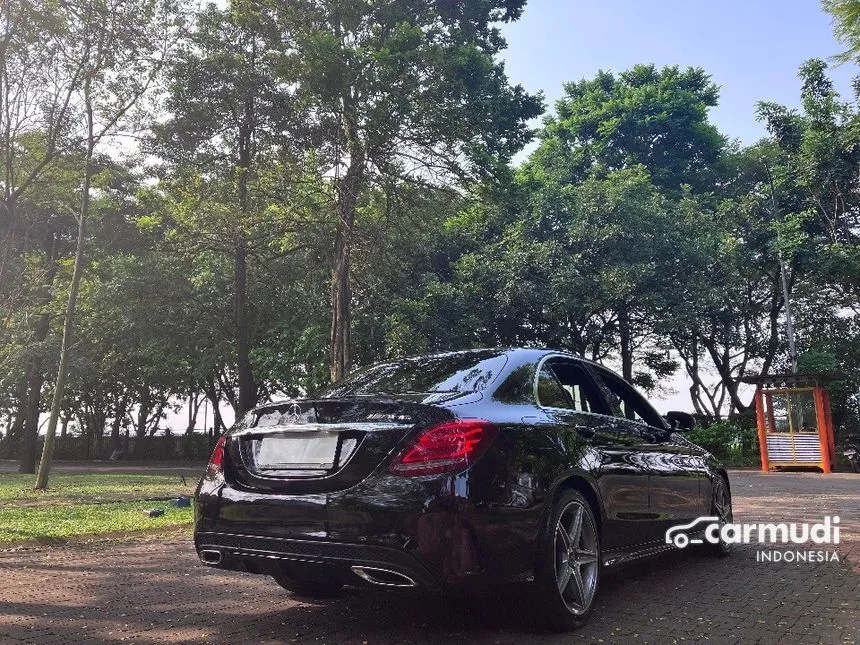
pixel 218 423
pixel 116 424
pixel 193 410
pixel 68 323
pixel 340 302
pixel 212 395
pixel 143 410
pixel 722 363
pixel 35 377
pixel 247 388
pixel 16 429
pixel 153 428
pixel 30 431
pixel 347 199
pixel 626 341
pixel 99 423
pixel 245 377
pixel 9 221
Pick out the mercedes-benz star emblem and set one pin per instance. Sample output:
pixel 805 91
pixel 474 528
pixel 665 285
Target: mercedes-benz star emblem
pixel 294 413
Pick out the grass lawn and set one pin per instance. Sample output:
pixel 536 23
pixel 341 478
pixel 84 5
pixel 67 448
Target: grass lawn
pixel 77 504
pixel 52 522
pixel 90 488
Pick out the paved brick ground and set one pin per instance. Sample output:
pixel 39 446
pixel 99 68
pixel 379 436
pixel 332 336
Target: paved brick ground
pixel 156 591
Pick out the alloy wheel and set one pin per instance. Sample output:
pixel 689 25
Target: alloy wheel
pixel 576 557
pixel 722 508
pixel 722 502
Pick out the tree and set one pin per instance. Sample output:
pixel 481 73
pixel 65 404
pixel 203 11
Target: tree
pixel 402 244
pixel 45 215
pixel 656 118
pixel 416 95
pixel 555 272
pixel 133 348
pixel 846 26
pixel 819 222
pixel 36 107
pixel 822 150
pixel 119 47
pixel 232 123
pixel 36 111
pixel 636 139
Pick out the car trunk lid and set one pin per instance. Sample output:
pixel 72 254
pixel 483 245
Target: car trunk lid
pixel 317 446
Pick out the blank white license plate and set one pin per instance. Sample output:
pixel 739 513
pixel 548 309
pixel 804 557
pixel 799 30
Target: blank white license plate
pixel 311 450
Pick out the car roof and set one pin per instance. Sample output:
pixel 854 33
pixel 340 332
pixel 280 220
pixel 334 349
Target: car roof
pixel 520 355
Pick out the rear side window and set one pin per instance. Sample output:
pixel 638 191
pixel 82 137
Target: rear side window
pixel 550 392
pixel 451 372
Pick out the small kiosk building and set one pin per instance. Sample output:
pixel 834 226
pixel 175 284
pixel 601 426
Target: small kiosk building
pixel 795 428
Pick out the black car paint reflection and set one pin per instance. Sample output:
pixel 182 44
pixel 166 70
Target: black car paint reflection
pixel 483 523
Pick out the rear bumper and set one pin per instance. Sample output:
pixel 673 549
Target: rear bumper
pixel 420 528
pixel 311 558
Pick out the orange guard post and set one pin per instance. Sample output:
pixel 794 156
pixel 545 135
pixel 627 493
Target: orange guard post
pixel 791 442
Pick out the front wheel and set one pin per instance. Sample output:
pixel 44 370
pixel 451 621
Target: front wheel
pixel 309 588
pixel 569 563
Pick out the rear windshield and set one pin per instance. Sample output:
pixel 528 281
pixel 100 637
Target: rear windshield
pixel 453 372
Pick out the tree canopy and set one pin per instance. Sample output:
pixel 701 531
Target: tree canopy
pixel 316 185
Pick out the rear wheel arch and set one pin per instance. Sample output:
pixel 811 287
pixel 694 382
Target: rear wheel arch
pixel 721 472
pixel 587 489
pixel 725 475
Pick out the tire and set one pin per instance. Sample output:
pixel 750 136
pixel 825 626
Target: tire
pixel 309 588
pixel 721 507
pixel 569 564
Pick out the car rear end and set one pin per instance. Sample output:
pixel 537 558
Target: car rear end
pixel 357 488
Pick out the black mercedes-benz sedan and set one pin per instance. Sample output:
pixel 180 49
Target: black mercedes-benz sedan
pixel 451 469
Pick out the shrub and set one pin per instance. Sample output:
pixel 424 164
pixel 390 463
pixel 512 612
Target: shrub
pixel 735 444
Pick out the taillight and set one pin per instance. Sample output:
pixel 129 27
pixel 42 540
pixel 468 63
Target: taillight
pixel 216 461
pixel 445 448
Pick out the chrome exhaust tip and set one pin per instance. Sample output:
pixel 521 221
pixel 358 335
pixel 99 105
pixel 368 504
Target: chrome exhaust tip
pixel 384 577
pixel 210 556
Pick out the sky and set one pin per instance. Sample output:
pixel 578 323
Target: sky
pixel 751 49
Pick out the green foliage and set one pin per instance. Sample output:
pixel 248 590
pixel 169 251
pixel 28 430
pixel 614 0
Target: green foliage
pixel 367 143
pixel 816 361
pixel 656 118
pixel 422 80
pixel 833 341
pixel 819 150
pixel 735 445
pixel 846 26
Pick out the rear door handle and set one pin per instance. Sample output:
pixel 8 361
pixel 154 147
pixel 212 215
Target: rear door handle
pixel 585 431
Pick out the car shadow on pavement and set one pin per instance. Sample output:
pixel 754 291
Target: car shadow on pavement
pixel 687 595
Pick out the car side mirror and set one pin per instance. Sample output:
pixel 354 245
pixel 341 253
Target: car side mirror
pixel 680 421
